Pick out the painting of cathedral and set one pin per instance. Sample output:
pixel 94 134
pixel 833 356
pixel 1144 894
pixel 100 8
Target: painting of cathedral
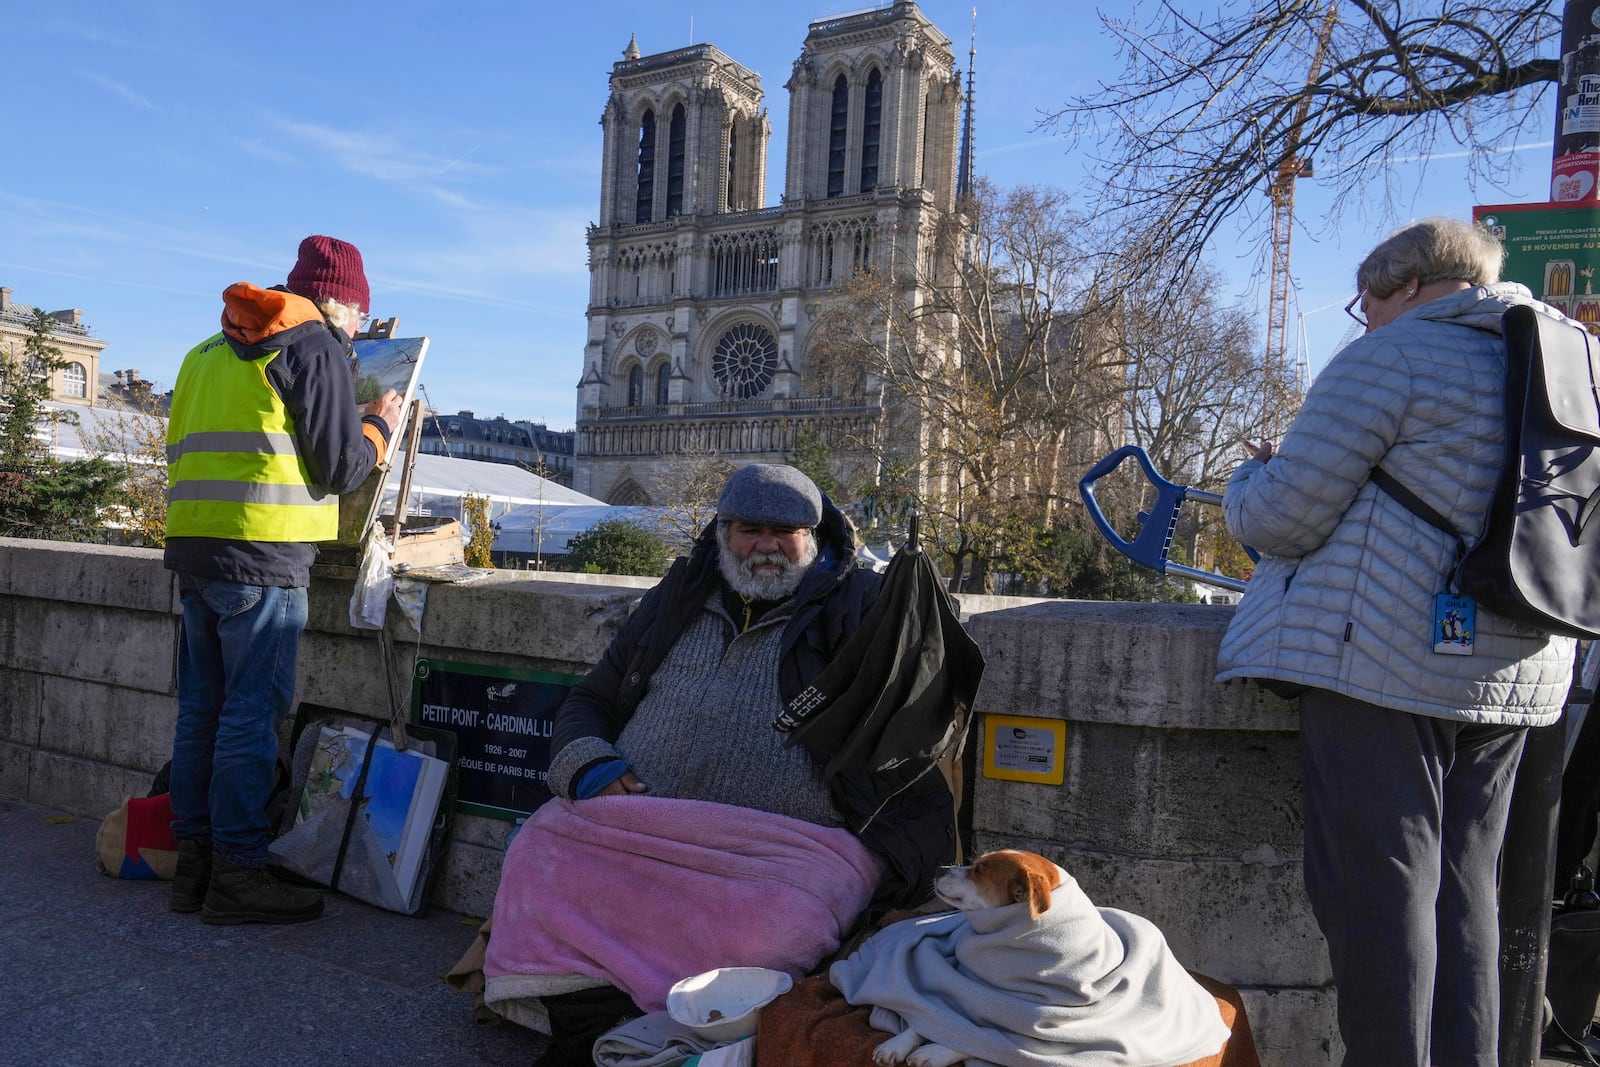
pixel 701 295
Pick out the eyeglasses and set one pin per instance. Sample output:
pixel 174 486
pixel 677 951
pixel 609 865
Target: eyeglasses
pixel 1354 311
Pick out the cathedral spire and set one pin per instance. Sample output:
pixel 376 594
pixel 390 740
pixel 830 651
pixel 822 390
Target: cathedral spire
pixel 964 174
pixel 632 51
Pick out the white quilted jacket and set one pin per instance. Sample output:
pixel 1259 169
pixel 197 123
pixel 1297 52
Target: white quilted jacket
pixel 1342 598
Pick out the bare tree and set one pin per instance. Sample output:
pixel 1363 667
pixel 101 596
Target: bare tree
pixel 1209 109
pixel 1009 367
pixel 994 366
pixel 1197 384
pixel 689 489
pixel 134 441
pixel 1196 378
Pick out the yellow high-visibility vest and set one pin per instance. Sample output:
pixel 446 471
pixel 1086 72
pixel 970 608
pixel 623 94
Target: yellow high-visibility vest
pixel 234 470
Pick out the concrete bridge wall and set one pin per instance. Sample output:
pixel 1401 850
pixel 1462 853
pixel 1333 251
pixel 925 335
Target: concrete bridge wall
pixel 1181 800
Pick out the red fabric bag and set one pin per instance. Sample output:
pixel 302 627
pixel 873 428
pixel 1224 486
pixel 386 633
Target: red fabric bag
pixel 136 841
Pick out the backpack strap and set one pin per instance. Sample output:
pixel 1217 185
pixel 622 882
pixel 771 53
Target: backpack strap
pixel 1413 503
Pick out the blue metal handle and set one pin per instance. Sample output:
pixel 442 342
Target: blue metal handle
pixel 1151 545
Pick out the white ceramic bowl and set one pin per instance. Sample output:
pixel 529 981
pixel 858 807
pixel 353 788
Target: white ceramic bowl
pixel 724 1005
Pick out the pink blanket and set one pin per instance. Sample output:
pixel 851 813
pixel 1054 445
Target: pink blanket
pixel 643 891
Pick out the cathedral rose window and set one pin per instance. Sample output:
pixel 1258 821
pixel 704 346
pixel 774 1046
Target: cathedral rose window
pixel 744 361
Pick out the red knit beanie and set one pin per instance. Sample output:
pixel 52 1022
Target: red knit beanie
pixel 330 269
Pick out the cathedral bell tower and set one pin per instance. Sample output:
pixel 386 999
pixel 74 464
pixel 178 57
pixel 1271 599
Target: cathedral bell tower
pixel 685 134
pixel 701 297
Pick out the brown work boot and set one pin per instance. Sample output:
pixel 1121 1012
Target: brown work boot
pixel 255 895
pixel 193 874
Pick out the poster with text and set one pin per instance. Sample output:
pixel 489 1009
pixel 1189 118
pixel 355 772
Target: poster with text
pixel 503 718
pixel 1553 249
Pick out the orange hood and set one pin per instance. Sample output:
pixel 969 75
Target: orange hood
pixel 251 314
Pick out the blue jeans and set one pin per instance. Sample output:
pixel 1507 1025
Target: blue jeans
pixel 236 675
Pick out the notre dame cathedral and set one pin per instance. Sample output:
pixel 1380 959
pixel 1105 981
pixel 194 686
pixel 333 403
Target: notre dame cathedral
pixel 701 296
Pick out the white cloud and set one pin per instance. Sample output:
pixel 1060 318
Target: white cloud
pixel 119 89
pixel 376 156
pixel 269 153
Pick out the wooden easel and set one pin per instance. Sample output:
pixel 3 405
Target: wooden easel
pixel 378 330
pixel 433 545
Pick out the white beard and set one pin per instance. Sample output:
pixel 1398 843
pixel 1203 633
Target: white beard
pixel 742 578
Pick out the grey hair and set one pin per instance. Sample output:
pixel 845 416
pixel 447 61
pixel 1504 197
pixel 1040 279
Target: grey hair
pixel 1433 250
pixel 345 316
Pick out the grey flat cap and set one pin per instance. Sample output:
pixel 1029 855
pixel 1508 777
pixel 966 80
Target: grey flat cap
pixel 770 494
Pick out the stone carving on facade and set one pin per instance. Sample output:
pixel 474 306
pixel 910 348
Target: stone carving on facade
pixel 803 75
pixel 744 361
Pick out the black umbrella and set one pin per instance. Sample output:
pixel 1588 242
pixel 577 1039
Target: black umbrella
pixel 897 697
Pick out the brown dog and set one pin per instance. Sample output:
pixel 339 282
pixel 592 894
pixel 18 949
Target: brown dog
pixel 995 880
pixel 1007 876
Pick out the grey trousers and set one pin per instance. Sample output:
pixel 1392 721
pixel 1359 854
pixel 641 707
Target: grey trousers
pixel 1404 820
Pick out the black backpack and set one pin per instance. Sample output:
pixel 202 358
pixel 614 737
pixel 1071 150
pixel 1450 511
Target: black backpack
pixel 1537 560
pixel 1572 972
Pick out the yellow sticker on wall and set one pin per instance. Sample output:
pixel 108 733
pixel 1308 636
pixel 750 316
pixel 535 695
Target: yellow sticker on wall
pixel 1024 749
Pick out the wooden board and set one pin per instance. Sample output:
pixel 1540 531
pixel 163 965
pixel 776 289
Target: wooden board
pixel 429 546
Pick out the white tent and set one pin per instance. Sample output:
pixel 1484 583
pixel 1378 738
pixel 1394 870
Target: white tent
pixel 437 485
pixel 545 530
pixel 440 482
pixel 80 436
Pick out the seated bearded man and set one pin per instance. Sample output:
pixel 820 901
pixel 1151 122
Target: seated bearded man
pixel 671 737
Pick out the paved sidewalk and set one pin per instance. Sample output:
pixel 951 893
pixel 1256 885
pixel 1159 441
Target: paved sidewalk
pixel 96 970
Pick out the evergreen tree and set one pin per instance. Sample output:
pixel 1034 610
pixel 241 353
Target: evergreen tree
pixel 811 459
pixel 617 546
pixel 41 496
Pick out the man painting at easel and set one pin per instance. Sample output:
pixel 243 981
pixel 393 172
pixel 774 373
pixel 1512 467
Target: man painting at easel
pixel 264 435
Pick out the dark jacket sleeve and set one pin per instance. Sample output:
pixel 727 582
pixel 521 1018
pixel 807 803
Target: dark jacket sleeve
pixel 314 382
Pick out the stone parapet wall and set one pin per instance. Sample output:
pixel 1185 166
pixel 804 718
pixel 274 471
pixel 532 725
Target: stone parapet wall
pixel 1181 801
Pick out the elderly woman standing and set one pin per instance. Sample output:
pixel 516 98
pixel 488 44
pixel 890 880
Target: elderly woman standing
pixel 1408 754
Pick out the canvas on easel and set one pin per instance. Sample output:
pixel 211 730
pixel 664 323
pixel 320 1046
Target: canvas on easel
pixel 379 363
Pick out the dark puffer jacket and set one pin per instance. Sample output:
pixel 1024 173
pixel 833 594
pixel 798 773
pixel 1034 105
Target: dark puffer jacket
pixel 913 837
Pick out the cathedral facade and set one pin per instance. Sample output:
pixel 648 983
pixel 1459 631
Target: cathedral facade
pixel 701 296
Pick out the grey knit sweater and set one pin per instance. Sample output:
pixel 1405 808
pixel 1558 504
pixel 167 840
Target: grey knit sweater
pixel 704 731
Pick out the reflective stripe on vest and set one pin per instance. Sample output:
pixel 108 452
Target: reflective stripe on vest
pixel 233 468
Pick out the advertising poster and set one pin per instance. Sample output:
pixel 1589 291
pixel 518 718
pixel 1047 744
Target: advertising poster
pixel 503 718
pixel 1575 166
pixel 1553 249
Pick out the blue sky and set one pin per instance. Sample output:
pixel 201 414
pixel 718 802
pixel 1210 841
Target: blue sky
pixel 159 151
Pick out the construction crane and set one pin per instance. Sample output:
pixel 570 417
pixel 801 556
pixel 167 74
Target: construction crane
pixel 1281 189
